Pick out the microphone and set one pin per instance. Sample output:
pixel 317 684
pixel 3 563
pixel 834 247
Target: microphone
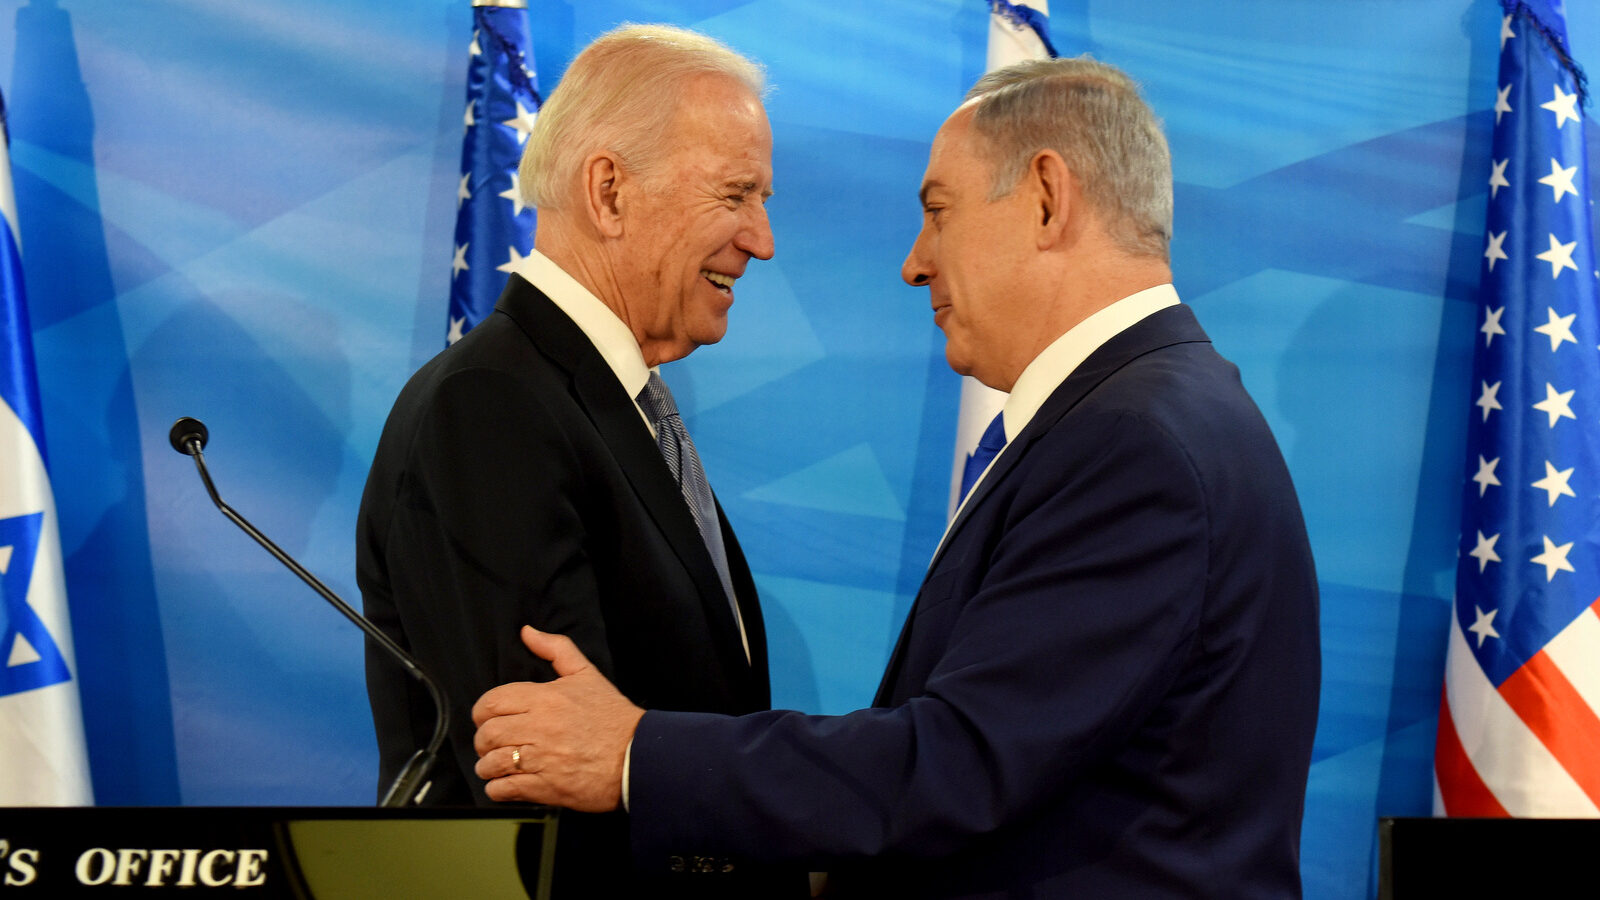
pixel 189 437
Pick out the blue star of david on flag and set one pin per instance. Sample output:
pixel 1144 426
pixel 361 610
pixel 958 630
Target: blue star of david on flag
pixel 29 658
pixel 494 230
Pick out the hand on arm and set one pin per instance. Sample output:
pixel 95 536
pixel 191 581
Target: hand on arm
pixel 561 742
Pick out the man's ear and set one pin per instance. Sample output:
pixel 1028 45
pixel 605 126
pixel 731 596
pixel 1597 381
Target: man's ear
pixel 1055 192
pixel 602 178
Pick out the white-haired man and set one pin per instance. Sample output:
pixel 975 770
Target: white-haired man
pixel 537 470
pixel 1107 686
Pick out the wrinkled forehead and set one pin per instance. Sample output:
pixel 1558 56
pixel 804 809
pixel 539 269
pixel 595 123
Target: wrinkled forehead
pixel 718 109
pixel 721 143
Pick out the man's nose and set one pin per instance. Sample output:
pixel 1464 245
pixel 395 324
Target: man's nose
pixel 756 237
pixel 916 270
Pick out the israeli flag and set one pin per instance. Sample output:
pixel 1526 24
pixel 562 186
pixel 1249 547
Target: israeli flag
pixel 43 760
pixel 1018 30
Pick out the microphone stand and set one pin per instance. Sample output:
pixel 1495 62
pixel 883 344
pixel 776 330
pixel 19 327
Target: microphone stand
pixel 188 436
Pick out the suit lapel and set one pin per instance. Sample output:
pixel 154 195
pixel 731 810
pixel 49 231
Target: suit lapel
pixel 1163 328
pixel 1173 325
pixel 616 418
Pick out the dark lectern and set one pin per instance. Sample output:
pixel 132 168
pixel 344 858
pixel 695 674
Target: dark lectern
pixel 1428 858
pixel 319 853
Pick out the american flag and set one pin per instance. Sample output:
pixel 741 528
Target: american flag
pixel 494 230
pixel 1518 731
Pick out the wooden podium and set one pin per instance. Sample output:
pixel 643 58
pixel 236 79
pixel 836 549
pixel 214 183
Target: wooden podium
pixel 319 853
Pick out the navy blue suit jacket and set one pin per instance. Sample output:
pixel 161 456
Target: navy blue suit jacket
pixel 1107 685
pixel 516 484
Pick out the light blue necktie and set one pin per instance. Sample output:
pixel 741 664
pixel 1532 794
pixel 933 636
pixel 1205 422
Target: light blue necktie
pixel 684 463
pixel 989 446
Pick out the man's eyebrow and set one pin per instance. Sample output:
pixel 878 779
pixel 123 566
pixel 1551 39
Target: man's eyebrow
pixel 749 187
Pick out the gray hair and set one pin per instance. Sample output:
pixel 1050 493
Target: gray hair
pixel 1090 113
pixel 620 94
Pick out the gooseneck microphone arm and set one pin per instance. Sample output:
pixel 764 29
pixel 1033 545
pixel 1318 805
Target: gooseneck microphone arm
pixel 189 436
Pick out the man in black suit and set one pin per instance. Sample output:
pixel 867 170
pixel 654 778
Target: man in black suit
pixel 524 473
pixel 1107 685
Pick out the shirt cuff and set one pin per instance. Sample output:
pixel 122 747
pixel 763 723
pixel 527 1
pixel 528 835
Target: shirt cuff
pixel 627 764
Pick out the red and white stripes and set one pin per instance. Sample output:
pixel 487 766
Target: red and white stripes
pixel 1530 748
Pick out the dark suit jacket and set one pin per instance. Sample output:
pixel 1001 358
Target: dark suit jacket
pixel 516 483
pixel 1107 685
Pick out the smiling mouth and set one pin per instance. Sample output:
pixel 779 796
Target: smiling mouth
pixel 721 282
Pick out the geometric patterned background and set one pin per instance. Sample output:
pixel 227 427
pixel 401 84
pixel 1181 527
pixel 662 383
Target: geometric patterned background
pixel 243 212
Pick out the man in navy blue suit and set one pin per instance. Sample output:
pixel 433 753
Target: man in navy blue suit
pixel 1107 686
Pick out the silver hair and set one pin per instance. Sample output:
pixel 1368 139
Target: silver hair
pixel 620 94
pixel 1092 114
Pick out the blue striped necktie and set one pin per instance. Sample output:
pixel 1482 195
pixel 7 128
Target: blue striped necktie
pixel 684 463
pixel 989 446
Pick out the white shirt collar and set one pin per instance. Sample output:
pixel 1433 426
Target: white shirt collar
pixel 1041 377
pixel 1053 364
pixel 597 321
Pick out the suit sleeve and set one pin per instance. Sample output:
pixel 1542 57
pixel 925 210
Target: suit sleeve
pixel 488 533
pixel 1072 616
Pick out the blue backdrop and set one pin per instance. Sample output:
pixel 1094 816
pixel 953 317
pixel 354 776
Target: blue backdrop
pixel 243 212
